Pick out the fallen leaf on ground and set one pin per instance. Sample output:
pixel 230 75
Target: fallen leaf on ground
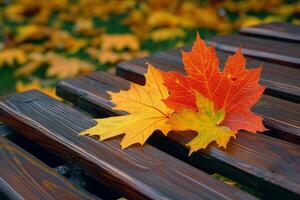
pixel 166 34
pixel 120 42
pixel 59 66
pixel 10 56
pixel 36 59
pixel 63 67
pixel 144 106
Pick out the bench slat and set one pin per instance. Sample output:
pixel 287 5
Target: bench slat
pixel 5 131
pixel 279 114
pixel 271 50
pixel 281 81
pixel 22 176
pixel 276 30
pixel 138 171
pixel 261 156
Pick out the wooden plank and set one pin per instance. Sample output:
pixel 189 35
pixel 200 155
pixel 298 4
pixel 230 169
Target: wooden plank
pixel 275 30
pixel 270 50
pixel 139 172
pixel 279 114
pixel 22 176
pixel 258 155
pixel 5 131
pixel 281 81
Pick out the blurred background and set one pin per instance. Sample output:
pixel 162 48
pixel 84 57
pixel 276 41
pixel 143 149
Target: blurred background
pixel 43 41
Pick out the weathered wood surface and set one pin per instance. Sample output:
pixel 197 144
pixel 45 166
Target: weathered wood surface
pixel 5 131
pixel 270 50
pixel 22 176
pixel 280 80
pixel 140 172
pixel 275 30
pixel 279 114
pixel 272 160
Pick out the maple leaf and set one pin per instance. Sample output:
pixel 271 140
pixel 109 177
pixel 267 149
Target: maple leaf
pixel 59 66
pixel 10 56
pixel 36 59
pixel 167 34
pixel 120 42
pixel 145 107
pixel 235 89
pixel 66 67
pixel 206 122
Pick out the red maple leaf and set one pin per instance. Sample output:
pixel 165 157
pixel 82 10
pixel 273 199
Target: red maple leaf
pixel 235 89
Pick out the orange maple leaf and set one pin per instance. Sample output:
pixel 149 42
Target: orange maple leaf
pixel 145 107
pixel 235 89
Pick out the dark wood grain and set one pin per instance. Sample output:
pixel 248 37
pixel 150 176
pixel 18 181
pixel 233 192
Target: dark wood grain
pixel 279 114
pixel 22 176
pixel 140 172
pixel 272 160
pixel 275 30
pixel 281 81
pixel 271 50
pixel 5 131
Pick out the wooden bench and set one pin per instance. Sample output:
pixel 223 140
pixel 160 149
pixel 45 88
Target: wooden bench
pixel 267 165
pixel 22 176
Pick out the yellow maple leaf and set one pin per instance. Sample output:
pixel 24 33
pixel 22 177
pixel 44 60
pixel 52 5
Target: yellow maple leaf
pixel 206 122
pixel 59 66
pixel 9 56
pixel 66 67
pixel 166 34
pixel 36 59
pixel 14 12
pixel 120 42
pixel 30 31
pixel 60 39
pixel 162 18
pixel 85 26
pixel 145 107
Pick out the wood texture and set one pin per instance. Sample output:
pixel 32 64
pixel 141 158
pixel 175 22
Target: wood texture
pixel 22 176
pixel 272 160
pixel 279 114
pixel 275 30
pixel 270 50
pixel 5 131
pixel 140 172
pixel 281 81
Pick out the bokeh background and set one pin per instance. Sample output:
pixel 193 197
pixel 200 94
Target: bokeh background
pixel 43 41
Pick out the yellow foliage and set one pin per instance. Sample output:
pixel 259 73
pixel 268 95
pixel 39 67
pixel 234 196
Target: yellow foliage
pixel 166 33
pixel 67 67
pixel 63 40
pixel 28 32
pixel 10 56
pixel 36 59
pixel 59 66
pixel 162 19
pixel 120 42
pixel 247 21
pixel 145 107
